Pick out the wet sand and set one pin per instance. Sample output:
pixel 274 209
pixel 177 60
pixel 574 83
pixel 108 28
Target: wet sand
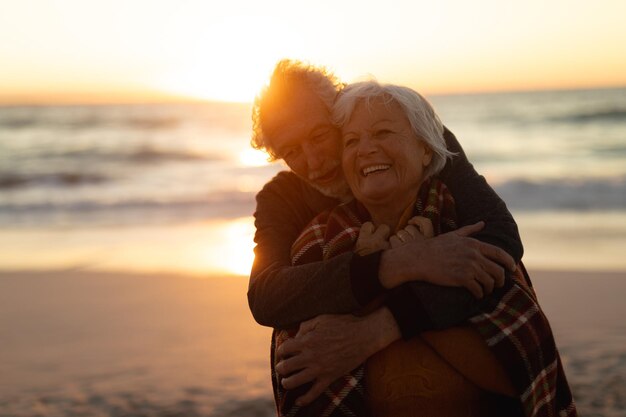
pixel 113 344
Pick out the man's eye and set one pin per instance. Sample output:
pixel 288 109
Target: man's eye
pixel 289 153
pixel 347 142
pixel 318 137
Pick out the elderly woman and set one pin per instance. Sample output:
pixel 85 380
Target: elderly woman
pixel 504 362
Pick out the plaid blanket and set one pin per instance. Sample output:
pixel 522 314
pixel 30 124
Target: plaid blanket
pixel 519 334
pixel 515 329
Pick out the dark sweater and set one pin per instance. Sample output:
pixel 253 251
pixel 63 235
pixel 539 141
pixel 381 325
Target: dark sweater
pixel 281 295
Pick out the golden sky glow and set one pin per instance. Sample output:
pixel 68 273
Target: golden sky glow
pixel 141 49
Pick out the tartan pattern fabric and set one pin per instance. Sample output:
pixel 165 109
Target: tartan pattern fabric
pixel 331 233
pixel 341 223
pixel 515 329
pixel 519 334
pixel 345 397
pixel 335 231
pixel 435 202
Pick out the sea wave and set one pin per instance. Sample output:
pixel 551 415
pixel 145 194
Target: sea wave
pixel 224 204
pixel 65 179
pixel 582 195
pixel 142 154
pixel 604 151
pixel 37 120
pixel 136 117
pixel 565 194
pixel 600 115
pixel 74 166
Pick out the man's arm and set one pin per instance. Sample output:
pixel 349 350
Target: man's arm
pixel 475 200
pixel 416 306
pixel 330 346
pixel 340 344
pixel 280 295
pixel 420 305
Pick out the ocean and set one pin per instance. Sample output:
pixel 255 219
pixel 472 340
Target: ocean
pixel 163 186
pixel 108 212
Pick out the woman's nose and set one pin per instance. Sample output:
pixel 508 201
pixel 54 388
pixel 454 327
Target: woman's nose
pixel 366 145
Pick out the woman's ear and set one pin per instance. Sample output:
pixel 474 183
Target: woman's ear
pixel 428 156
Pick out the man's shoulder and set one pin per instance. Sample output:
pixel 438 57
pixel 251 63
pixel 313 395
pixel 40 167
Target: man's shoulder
pixel 287 187
pixel 285 184
pixel 283 179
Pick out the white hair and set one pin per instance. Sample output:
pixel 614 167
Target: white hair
pixel 422 117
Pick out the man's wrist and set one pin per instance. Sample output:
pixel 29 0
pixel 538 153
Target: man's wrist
pixel 400 265
pixel 383 328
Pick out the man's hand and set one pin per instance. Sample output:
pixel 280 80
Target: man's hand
pixel 330 346
pixel 451 259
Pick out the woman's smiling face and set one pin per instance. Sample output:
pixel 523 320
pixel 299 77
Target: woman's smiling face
pixel 383 160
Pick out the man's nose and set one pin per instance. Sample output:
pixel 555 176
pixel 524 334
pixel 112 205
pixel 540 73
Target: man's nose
pixel 314 157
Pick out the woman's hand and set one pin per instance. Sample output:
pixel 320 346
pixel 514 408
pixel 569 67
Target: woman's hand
pixel 418 228
pixel 372 239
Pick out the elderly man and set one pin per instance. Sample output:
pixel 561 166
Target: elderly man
pixel 292 121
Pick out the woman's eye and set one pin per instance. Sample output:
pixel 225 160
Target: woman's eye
pixel 383 132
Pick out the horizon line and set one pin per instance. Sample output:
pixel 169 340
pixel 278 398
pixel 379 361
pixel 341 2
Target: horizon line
pixel 157 97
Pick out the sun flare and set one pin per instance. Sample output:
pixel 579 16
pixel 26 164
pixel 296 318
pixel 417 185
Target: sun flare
pixel 236 252
pixel 253 158
pixel 226 60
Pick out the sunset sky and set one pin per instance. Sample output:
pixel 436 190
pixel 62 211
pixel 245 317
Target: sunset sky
pixel 93 50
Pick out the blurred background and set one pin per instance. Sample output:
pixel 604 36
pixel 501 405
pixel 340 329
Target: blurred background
pixel 124 153
pixel 125 125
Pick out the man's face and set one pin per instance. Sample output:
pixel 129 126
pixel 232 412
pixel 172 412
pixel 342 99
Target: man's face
pixel 302 134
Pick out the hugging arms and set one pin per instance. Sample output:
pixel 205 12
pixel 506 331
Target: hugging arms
pixel 292 121
pixel 319 336
pixel 281 295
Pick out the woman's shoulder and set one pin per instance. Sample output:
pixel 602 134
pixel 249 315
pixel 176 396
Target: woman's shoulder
pixel 340 222
pixel 435 202
pixel 344 218
pixel 342 215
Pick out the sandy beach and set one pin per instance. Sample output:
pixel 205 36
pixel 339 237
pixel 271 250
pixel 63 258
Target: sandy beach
pixel 76 343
